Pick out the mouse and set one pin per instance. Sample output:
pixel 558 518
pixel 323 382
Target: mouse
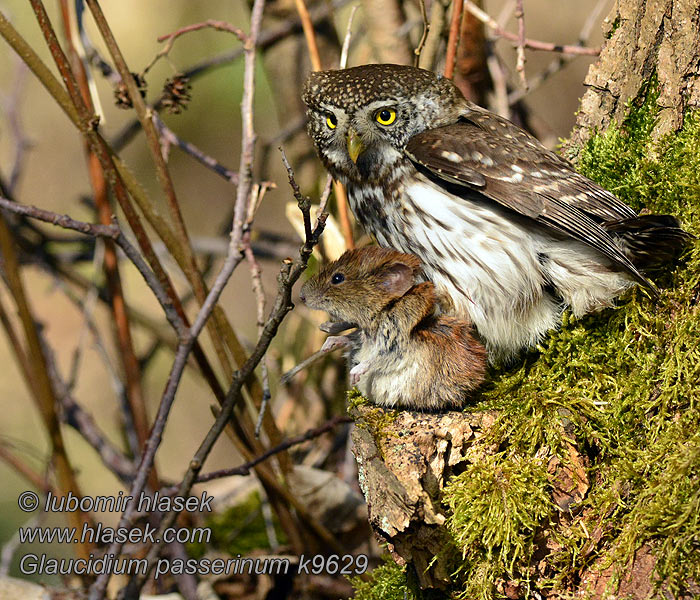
pixel 405 352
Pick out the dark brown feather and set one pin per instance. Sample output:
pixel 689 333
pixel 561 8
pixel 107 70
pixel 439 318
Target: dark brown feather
pixel 523 176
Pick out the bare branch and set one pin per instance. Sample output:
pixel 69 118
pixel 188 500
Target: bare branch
pixel 346 41
pixel 171 37
pixel 453 39
pixel 527 43
pixel 171 137
pixel 309 34
pixel 245 469
pixel 112 232
pixel 520 65
pixel 562 60
pixel 424 35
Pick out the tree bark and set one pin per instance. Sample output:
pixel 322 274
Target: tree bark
pixel 405 460
pixel 644 38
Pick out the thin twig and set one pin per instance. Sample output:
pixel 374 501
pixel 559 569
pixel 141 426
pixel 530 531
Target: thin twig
pixel 562 60
pixel 171 137
pixel 308 27
pixel 340 193
pixel 527 43
pixel 325 195
pixel 304 202
pixel 520 64
pixel 87 308
pixel 12 109
pixel 307 362
pixel 424 35
pixel 136 405
pixel 341 199
pixel 506 12
pixel 112 232
pixel 171 37
pixel 38 481
pixel 78 418
pixel 500 85
pixel 346 41
pixel 258 290
pixel 246 468
pixel 41 388
pixel 14 543
pixel 453 39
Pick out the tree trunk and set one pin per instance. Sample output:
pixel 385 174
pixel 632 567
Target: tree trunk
pixel 644 38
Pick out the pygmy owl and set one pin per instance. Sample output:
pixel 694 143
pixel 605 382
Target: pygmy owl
pixel 504 226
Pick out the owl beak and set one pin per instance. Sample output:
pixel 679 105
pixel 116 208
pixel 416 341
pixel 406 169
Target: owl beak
pixel 355 147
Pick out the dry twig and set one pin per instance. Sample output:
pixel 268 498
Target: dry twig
pixel 527 43
pixel 424 35
pixel 171 37
pixel 453 39
pixel 520 65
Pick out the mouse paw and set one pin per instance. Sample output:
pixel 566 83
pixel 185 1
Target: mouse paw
pixel 333 342
pixel 357 372
pixel 334 327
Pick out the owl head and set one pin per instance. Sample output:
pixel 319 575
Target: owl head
pixel 360 119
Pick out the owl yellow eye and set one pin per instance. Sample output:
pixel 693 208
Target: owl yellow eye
pixel 386 116
pixel 331 121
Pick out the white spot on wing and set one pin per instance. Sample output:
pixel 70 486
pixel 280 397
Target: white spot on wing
pixel 451 156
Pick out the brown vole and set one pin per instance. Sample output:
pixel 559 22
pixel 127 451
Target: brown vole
pixel 403 354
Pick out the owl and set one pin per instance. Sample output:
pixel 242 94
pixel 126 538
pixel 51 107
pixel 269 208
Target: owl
pixel 506 229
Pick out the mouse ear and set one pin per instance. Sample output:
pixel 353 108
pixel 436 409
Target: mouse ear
pixel 397 279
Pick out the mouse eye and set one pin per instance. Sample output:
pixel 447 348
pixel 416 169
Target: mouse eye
pixel 385 116
pixel 337 278
pixel 331 121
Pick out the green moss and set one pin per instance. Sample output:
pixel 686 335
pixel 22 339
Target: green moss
pixel 355 399
pixel 623 386
pixel 497 507
pixel 389 581
pixel 374 418
pixel 238 530
pixel 613 28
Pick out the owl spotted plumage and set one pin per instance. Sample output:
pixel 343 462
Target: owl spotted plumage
pixel 504 226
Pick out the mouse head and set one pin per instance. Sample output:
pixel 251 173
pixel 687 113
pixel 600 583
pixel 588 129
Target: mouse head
pixel 362 282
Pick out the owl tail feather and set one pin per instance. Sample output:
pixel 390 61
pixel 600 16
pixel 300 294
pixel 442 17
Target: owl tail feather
pixel 650 241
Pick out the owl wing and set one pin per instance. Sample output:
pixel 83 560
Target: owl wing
pixel 510 167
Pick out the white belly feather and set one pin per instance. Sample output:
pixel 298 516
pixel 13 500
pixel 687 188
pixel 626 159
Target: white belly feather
pixel 495 269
